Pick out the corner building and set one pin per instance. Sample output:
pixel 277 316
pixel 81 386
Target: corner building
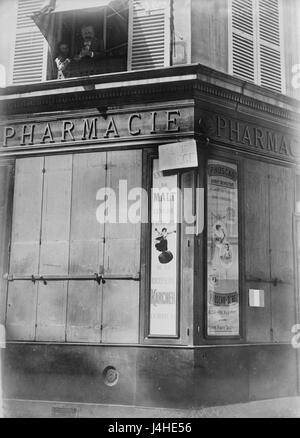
pixel 97 313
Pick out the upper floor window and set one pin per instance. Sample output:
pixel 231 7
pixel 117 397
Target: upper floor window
pixel 67 38
pixel 85 41
pixel 256 42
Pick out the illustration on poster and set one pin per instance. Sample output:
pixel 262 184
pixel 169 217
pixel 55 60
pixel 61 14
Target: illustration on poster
pixel 166 256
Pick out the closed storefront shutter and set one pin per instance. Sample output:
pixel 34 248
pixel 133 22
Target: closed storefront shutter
pixel 6 192
pixel 281 186
pixel 30 46
pixel 122 253
pixel 269 250
pixel 149 34
pixel 59 244
pixel 54 249
pixel 257 248
pixel 86 249
pixel 25 248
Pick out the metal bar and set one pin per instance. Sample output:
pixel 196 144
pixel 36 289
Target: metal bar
pixel 100 278
pixel 274 281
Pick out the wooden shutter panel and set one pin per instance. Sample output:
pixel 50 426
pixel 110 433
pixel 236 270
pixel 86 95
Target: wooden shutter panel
pixel 25 248
pixel 86 248
pixel 281 188
pixel 269 45
pixel 30 46
pixel 257 246
pixel 243 44
pixel 54 248
pixel 122 255
pixel 149 34
pixel 6 197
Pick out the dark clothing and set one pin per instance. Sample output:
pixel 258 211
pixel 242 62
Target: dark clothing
pixel 162 246
pixel 95 46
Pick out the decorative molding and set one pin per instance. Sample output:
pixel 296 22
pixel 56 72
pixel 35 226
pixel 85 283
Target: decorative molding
pixel 156 92
pixel 242 100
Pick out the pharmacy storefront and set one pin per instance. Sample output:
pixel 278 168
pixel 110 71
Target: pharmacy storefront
pixel 147 235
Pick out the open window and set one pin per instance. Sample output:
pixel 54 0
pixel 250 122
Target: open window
pixel 130 35
pixel 62 22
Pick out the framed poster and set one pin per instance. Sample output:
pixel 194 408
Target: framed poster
pixel 222 250
pixel 164 257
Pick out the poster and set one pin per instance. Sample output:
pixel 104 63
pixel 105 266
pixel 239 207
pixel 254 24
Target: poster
pixel 222 250
pixel 164 216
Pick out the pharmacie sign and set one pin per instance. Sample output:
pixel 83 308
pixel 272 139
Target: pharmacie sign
pixel 91 129
pixel 249 136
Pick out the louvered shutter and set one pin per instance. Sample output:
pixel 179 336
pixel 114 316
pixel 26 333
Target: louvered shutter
pixel 269 45
pixel 30 46
pixel 149 34
pixel 243 42
pixel 256 42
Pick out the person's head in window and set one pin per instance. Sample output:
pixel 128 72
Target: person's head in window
pixel 63 49
pixel 90 47
pixel 87 32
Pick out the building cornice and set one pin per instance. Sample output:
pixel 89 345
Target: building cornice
pixel 184 82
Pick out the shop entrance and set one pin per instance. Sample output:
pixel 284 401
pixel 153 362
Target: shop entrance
pixel 72 278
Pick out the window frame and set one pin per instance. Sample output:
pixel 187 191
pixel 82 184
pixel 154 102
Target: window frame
pixel 74 19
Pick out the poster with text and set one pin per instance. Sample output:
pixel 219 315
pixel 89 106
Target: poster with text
pixel 222 250
pixel 164 217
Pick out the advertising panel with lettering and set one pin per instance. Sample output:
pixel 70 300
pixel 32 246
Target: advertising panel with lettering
pixel 164 217
pixel 222 250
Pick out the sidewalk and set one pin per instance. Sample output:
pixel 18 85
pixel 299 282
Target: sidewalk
pixel 277 408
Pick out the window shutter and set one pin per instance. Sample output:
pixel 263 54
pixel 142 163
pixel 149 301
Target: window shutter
pixel 30 45
pixel 256 42
pixel 243 42
pixel 149 34
pixel 269 45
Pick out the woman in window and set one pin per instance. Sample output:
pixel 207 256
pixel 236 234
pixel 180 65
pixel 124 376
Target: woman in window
pixel 62 60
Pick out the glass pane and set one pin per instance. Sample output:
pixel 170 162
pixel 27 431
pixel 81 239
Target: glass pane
pixel 164 216
pixel 222 250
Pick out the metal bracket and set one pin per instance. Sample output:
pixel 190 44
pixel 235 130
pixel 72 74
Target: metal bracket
pixel 99 279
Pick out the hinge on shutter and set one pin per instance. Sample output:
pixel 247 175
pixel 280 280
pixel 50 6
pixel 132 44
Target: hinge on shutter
pixel 43 170
pixel 101 327
pixel 106 166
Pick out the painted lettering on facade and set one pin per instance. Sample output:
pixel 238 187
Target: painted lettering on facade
pixel 87 129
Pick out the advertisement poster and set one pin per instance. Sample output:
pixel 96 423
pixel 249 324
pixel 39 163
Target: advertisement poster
pixel 222 250
pixel 164 215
